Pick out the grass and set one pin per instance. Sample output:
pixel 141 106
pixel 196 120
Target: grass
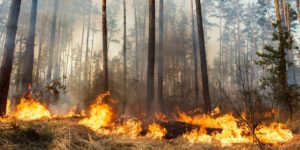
pixel 65 134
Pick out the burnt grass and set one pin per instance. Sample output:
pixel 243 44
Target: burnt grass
pixel 65 134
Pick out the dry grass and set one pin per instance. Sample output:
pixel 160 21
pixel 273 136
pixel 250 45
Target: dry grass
pixel 65 134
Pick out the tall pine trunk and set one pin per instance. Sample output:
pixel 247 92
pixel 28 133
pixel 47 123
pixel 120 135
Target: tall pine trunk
pixel 41 42
pixel 29 52
pixel 105 50
pixel 205 86
pixel 52 41
pixel 124 57
pixel 9 48
pixel 87 47
pixel 160 79
pixel 282 62
pixel 195 53
pixel 151 56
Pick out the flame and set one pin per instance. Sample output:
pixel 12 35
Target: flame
pixel 8 111
pixel 31 110
pixel 274 133
pixel 100 114
pixel 198 136
pixel 161 117
pixel 232 130
pixel 155 131
pixel 130 129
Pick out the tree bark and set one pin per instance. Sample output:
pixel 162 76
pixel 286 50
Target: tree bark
pixel 6 64
pixel 195 53
pixel 160 71
pixel 41 41
pixel 282 62
pixel 29 52
pixel 81 53
pixel 105 50
pixel 18 80
pixel 205 86
pixel 87 47
pixel 52 41
pixel 151 56
pixel 124 57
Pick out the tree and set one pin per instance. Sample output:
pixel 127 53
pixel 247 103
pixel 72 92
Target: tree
pixel 6 64
pixel 29 52
pixel 151 55
pixel 124 57
pixel 205 86
pixel 160 79
pixel 41 41
pixel 87 46
pixel 274 62
pixel 105 50
pixel 195 53
pixel 52 41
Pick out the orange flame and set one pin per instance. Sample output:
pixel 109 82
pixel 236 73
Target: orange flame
pixel 274 133
pixel 100 114
pixel 155 131
pixel 31 110
pixel 233 130
pixel 8 111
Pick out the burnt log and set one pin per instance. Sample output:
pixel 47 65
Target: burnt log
pixel 178 128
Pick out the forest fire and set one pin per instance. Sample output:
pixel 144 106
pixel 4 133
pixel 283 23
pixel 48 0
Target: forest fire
pixel 31 110
pixel 233 130
pixel 156 131
pixel 100 114
pixel 224 129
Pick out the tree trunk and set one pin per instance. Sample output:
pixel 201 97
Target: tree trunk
pixel 18 80
pixel 195 53
pixel 29 52
pixel 6 64
pixel 87 47
pixel 81 53
pixel 105 50
pixel 52 41
pixel 205 86
pixel 151 56
pixel 41 41
pixel 137 52
pixel 282 63
pixel 124 57
pixel 160 71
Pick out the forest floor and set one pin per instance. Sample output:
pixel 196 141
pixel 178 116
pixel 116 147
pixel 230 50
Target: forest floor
pixel 65 134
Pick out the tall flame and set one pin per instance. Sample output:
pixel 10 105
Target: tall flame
pixel 8 107
pixel 100 114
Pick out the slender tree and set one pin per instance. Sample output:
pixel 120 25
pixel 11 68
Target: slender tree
pixel 41 41
pixel 105 50
pixel 9 48
pixel 52 41
pixel 205 86
pixel 195 53
pixel 87 46
pixel 151 55
pixel 29 51
pixel 160 95
pixel 124 57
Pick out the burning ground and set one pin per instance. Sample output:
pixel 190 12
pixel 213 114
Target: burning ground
pixel 33 126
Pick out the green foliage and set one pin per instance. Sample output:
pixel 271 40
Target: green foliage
pixel 273 62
